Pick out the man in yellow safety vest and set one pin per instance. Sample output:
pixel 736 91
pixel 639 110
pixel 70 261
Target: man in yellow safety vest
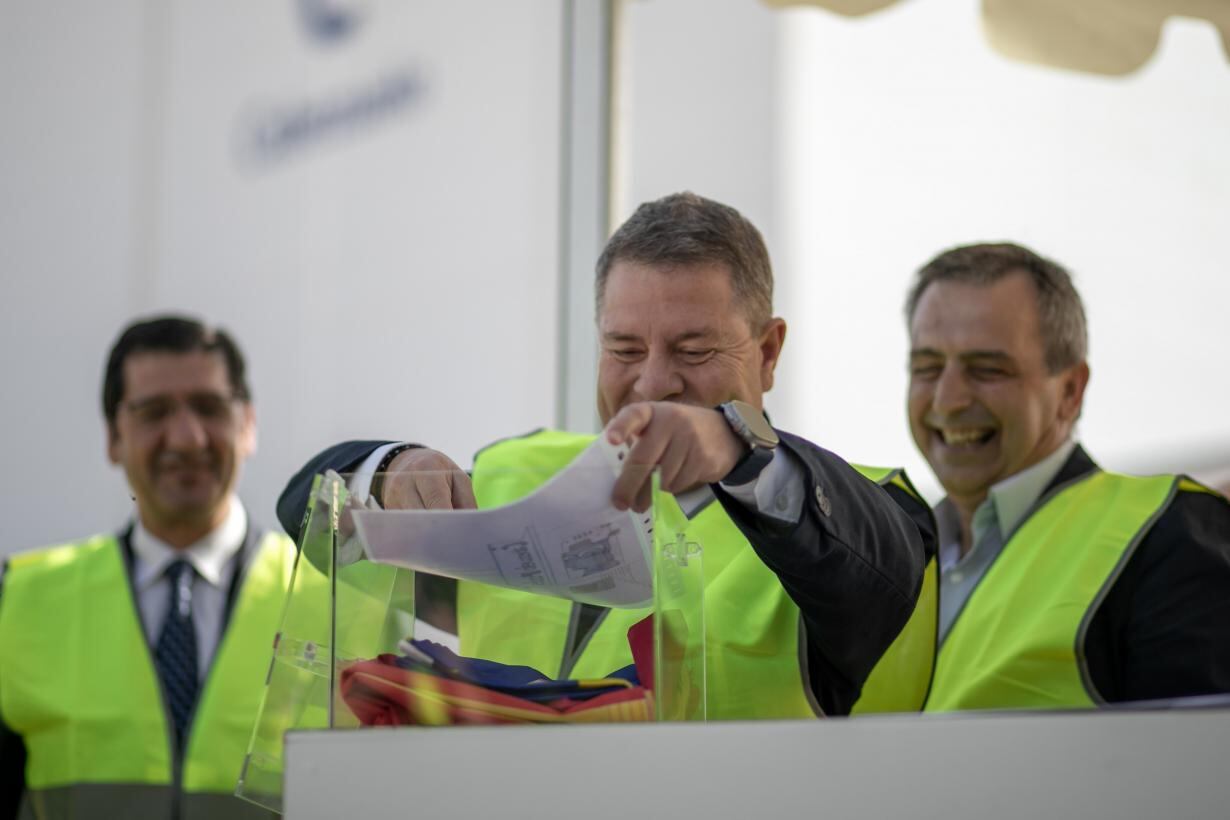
pixel 1063 585
pixel 132 663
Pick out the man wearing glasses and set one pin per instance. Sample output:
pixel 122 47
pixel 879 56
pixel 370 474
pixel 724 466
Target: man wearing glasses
pixel 131 663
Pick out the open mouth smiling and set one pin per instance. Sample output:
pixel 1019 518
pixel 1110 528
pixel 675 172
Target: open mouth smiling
pixel 964 437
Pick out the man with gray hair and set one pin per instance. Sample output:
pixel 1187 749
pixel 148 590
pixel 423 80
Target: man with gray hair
pixel 813 568
pixel 1063 585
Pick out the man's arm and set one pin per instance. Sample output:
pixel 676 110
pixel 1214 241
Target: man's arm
pixel 853 563
pixel 1162 631
pixel 436 596
pixel 341 458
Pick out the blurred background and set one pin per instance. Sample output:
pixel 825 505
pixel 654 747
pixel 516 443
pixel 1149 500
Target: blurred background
pixel 395 207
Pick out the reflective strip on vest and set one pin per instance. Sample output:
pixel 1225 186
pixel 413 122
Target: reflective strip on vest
pixel 107 801
pixel 1019 641
pixel 752 626
pixel 78 682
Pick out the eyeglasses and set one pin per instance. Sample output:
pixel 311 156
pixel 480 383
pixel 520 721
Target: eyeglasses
pixel 209 408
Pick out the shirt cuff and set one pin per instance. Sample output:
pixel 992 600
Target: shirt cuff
pixel 360 484
pixel 777 492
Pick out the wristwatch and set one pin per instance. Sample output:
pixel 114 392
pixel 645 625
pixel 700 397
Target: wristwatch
pixel 754 430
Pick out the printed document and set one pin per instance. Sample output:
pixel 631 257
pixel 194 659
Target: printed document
pixel 565 539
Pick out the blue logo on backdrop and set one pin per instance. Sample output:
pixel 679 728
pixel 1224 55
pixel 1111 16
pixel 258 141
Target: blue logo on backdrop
pixel 269 133
pixel 329 21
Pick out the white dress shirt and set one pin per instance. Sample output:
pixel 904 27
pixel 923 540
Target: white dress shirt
pixel 213 557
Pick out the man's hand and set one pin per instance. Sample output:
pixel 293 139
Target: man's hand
pixel 422 479
pixel 691 445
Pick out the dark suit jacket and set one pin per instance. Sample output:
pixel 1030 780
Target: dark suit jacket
pixel 853 563
pixel 1163 629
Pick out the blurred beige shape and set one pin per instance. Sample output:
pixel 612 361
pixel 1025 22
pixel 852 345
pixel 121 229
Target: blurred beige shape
pixel 850 8
pixel 1097 36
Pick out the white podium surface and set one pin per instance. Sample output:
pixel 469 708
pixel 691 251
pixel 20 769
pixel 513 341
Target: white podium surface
pixel 1157 764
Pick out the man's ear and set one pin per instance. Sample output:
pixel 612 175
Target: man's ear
pixel 771 340
pixel 1072 391
pixel 247 434
pixel 113 443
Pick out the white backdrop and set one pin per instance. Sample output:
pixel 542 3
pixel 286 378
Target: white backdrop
pixel 863 147
pixel 365 193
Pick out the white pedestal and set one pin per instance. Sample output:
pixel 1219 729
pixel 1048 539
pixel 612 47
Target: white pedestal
pixel 1164 764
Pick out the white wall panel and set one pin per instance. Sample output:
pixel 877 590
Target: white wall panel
pixel 697 104
pixel 365 193
pixel 70 173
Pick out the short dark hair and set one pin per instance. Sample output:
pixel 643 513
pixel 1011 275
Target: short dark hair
pixel 171 334
pixel 1061 314
pixel 687 229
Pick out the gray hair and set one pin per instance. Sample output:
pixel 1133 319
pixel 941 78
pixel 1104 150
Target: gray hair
pixel 1061 315
pixel 686 229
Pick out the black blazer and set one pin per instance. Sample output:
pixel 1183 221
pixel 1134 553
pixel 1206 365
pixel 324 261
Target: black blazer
pixel 1163 628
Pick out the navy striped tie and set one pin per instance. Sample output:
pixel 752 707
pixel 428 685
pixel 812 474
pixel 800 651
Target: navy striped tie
pixel 175 653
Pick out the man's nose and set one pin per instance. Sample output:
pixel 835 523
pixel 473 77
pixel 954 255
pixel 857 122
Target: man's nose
pixel 185 430
pixel 952 392
pixel 659 379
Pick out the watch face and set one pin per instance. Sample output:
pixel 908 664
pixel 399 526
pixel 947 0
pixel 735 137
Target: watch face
pixel 757 425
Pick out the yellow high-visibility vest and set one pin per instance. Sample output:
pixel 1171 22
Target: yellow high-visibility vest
pixel 78 683
pixel 755 658
pixel 1019 642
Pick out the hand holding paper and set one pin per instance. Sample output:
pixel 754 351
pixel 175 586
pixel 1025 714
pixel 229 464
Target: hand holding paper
pixel 566 539
pixel 692 446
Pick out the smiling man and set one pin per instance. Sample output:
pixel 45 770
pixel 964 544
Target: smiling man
pixel 812 569
pixel 1063 585
pixel 131 664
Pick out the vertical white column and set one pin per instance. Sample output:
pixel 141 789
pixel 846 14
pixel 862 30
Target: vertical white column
pixel 584 202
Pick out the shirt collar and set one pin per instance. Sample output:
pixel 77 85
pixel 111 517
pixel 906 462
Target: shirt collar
pixel 1017 493
pixel 1011 498
pixel 208 556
